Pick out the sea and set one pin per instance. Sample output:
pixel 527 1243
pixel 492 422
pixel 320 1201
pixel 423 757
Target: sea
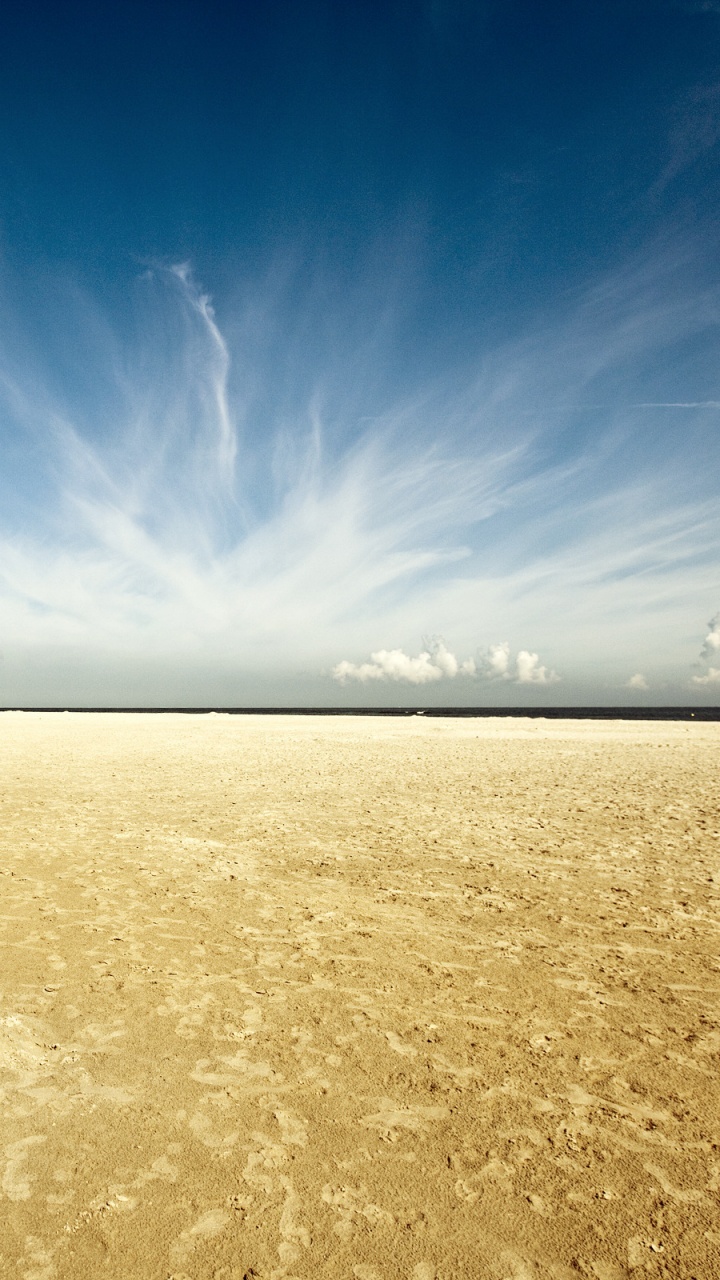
pixel 533 713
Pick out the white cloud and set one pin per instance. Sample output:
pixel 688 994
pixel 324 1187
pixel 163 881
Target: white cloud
pixel 437 662
pixel 697 125
pixel 211 520
pixel 710 650
pixel 394 664
pixel 496 662
pixel 530 672
pixel 637 681
pixel 712 677
pixel 711 644
pixel 218 368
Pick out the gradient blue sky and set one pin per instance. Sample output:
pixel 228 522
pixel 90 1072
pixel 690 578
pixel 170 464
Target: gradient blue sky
pixel 358 353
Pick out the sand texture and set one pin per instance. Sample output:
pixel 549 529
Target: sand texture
pixel 358 998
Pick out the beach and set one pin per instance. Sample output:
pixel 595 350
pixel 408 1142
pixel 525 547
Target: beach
pixel 355 997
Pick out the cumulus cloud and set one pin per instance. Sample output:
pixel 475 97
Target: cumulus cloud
pixel 711 644
pixel 393 664
pixel 637 681
pixel 496 662
pixel 437 662
pixel 711 677
pixel 529 670
pixel 710 650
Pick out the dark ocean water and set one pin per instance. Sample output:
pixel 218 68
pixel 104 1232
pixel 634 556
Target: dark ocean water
pixel 535 713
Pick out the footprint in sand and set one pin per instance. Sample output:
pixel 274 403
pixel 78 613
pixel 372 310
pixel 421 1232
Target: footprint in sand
pixel 209 1134
pixel 238 1071
pixel 209 1224
pixel 16 1181
pixel 513 1267
pixel 608 1271
pixel 37 1261
pixel 162 1168
pixel 390 1119
pixel 21 1050
pixel 494 1174
pixel 424 1271
pixel 293 1130
pixel 538 1205
pixel 399 1046
pixel 349 1204
pixel 193 1014
pixel 641 1250
pixel 294 1235
pixel 263 1162
pixel 676 1193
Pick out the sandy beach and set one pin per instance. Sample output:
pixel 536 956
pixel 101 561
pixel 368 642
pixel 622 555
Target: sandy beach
pixel 358 998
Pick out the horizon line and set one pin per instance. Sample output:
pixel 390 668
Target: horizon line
pixel 592 712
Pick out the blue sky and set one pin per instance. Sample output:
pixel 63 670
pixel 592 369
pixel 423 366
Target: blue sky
pixel 357 353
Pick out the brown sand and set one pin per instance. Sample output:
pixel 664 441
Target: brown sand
pixel 358 998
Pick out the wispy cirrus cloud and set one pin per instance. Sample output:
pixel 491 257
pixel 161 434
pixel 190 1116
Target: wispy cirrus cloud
pixel 678 404
pixel 696 128
pixel 229 513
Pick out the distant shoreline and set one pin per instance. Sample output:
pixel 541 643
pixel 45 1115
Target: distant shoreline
pixel 534 713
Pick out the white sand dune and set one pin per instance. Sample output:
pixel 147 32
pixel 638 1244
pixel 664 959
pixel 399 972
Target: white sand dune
pixel 375 998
